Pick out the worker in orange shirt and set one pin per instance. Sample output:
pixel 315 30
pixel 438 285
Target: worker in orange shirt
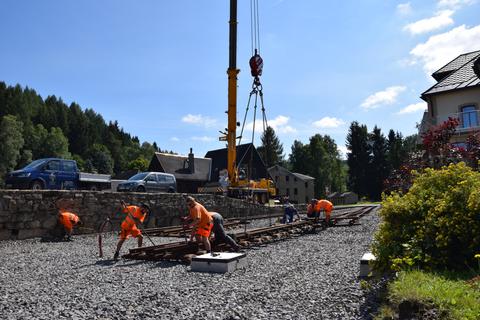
pixel 326 206
pixel 202 223
pixel 67 220
pixel 135 217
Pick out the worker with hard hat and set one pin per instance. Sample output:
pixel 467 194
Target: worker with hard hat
pixel 135 215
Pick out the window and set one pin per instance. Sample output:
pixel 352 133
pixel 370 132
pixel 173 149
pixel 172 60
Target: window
pixel 276 178
pixel 306 184
pixel 69 166
pixel 161 178
pixel 277 191
pixel 295 191
pixel 170 179
pixel 469 117
pixel 151 178
pixel 287 178
pixel 294 179
pixel 306 200
pixel 53 165
pixel 288 192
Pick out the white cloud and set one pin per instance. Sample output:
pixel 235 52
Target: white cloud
pixel 174 139
pixel 203 139
pixel 385 97
pixel 328 122
pixel 343 151
pixel 440 20
pixel 440 49
pixel 279 124
pixel 198 119
pixel 456 4
pixel 412 108
pixel 404 8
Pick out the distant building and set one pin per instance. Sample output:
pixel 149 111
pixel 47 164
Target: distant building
pixel 248 161
pixel 190 172
pixel 456 94
pixel 299 188
pixel 338 198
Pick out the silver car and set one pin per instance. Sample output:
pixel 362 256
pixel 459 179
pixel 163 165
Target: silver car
pixel 149 182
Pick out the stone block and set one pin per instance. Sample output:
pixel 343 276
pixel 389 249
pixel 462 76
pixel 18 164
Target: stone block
pixel 33 224
pixel 49 223
pixel 5 234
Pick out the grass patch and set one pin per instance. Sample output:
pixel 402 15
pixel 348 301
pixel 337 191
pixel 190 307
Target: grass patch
pixel 458 299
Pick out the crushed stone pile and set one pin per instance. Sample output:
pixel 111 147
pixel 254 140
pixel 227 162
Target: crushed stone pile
pixel 314 276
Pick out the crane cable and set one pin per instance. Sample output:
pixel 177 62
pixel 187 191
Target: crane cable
pixel 256 68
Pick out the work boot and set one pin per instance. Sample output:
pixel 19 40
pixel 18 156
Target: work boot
pixel 115 256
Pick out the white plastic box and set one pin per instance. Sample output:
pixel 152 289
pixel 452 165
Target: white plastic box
pixel 365 264
pixel 224 262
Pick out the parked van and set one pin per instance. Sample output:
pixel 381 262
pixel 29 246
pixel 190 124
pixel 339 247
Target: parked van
pixel 149 182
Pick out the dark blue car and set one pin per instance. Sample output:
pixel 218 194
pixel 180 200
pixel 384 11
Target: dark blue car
pixel 55 173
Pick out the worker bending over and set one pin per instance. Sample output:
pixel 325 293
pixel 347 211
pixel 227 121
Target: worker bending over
pixel 66 222
pixel 202 223
pixel 134 217
pixel 219 231
pixel 317 206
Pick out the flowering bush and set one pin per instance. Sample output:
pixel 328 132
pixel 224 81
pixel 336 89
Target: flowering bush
pixel 435 225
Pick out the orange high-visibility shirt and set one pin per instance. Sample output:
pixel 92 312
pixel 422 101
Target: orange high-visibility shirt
pixel 325 205
pixel 136 212
pixel 68 219
pixel 199 212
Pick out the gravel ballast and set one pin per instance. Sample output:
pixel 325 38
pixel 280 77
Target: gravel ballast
pixel 314 276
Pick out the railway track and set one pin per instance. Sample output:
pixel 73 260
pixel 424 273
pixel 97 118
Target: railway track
pixel 183 251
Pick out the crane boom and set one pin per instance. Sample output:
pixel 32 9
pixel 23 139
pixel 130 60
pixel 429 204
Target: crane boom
pixel 232 96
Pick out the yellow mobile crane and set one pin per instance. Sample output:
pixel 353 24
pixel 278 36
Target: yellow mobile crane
pixel 263 188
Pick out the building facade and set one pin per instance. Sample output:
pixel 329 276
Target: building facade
pixel 455 95
pixel 299 188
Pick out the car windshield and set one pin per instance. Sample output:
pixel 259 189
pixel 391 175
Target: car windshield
pixel 35 164
pixel 138 176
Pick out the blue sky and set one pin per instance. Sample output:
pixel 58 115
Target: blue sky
pixel 159 67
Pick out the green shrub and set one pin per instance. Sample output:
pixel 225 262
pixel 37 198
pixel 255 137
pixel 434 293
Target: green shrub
pixel 436 225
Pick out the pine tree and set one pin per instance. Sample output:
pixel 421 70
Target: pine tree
pixel 378 169
pixel 358 158
pixel 271 150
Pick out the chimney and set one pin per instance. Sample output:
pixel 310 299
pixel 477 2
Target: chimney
pixel 191 162
pixel 476 67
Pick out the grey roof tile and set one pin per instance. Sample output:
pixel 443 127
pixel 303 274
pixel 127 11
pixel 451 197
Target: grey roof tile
pixel 463 77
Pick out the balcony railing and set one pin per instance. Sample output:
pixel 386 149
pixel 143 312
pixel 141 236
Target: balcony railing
pixel 469 120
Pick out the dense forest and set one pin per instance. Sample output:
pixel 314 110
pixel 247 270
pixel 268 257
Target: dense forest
pixel 33 128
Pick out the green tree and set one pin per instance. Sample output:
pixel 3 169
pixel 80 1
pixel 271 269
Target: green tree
pixel 101 159
pixel 12 142
pixel 271 149
pixel 299 157
pixel 378 168
pixel 139 164
pixel 358 158
pixel 56 144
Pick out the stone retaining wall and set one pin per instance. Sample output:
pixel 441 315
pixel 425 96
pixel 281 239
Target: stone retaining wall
pixel 27 214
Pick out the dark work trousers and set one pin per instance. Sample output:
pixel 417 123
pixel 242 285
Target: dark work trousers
pixel 219 231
